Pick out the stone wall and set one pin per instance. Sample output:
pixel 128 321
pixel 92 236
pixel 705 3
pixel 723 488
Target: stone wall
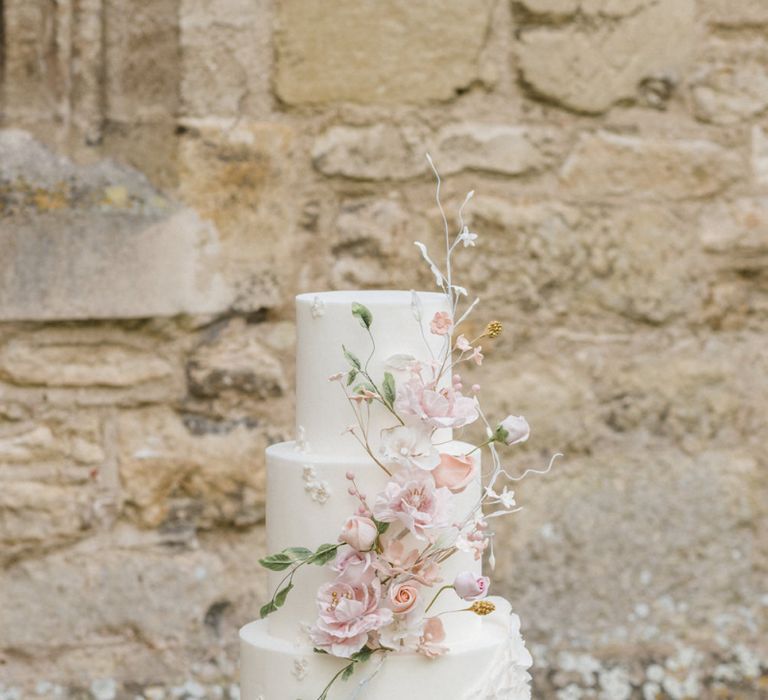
pixel 173 171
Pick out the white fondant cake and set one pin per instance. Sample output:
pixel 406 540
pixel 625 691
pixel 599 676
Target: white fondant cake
pixel 482 655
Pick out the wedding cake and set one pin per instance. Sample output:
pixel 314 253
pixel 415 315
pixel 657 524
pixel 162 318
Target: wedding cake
pixel 377 518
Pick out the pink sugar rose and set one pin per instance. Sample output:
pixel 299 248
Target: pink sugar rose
pixel 441 323
pixel 412 499
pixel 443 408
pixel 353 566
pixel 347 614
pixel 360 533
pixel 454 472
pixel 431 638
pixel 468 586
pixel 403 597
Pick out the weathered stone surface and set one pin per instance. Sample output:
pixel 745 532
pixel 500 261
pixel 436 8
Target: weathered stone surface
pixel 98 243
pixel 738 231
pixel 57 359
pixel 376 52
pixel 240 176
pixel 732 87
pixel 56 441
pixel 496 148
pixel 167 473
pixel 747 13
pixel 34 515
pixel 605 8
pixel 605 164
pixel 370 153
pixel 225 56
pixel 141 59
pixel 589 66
pixel 760 156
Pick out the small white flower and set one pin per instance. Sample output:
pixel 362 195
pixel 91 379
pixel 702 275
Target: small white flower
pixel 467 237
pixel 506 498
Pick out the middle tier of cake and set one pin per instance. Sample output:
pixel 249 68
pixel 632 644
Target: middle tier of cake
pixel 307 505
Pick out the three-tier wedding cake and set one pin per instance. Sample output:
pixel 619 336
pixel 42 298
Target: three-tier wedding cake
pixel 377 519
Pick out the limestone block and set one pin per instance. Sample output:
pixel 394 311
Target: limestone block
pixel 32 68
pixel 738 232
pixel 378 152
pixel 606 8
pixel 241 176
pixel 559 261
pixel 40 515
pixel 496 148
pixel 98 242
pixel 759 156
pixel 344 50
pixel 372 239
pixel 165 470
pixel 746 13
pixel 225 59
pixel 589 66
pixel 58 438
pixel 651 274
pixel 235 361
pixel 58 359
pixel 605 164
pixel 526 252
pixel 141 60
pixel 731 87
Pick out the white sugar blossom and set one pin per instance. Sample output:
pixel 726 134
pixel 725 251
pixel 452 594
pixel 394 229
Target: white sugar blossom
pixel 506 498
pixel 409 446
pixel 467 237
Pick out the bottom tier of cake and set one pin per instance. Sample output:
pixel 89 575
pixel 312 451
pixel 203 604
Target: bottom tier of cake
pixel 491 665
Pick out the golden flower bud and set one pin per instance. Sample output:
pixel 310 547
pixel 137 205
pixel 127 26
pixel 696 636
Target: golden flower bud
pixel 493 329
pixel 482 607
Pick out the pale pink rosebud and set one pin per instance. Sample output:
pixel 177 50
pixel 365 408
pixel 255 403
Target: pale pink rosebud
pixel 350 476
pixel 475 388
pixel 471 587
pixel 360 533
pixel 512 430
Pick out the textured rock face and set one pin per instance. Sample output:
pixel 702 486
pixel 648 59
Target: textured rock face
pixel 173 171
pixel 376 52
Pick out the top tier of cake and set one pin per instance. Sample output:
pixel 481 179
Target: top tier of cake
pixel 324 322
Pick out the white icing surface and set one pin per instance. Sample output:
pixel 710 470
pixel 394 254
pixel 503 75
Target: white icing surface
pixel 295 520
pixel 479 663
pixel 321 407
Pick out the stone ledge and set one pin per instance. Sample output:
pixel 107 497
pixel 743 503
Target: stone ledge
pixel 98 241
pixel 89 266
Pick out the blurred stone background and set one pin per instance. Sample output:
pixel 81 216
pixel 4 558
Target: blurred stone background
pixel 172 172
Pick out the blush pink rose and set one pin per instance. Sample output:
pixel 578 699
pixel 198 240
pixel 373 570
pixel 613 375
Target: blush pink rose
pixel 403 597
pixel 454 472
pixel 444 408
pixel 468 586
pixel 360 533
pixel 441 323
pixel 412 499
pixel 347 614
pixel 353 566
